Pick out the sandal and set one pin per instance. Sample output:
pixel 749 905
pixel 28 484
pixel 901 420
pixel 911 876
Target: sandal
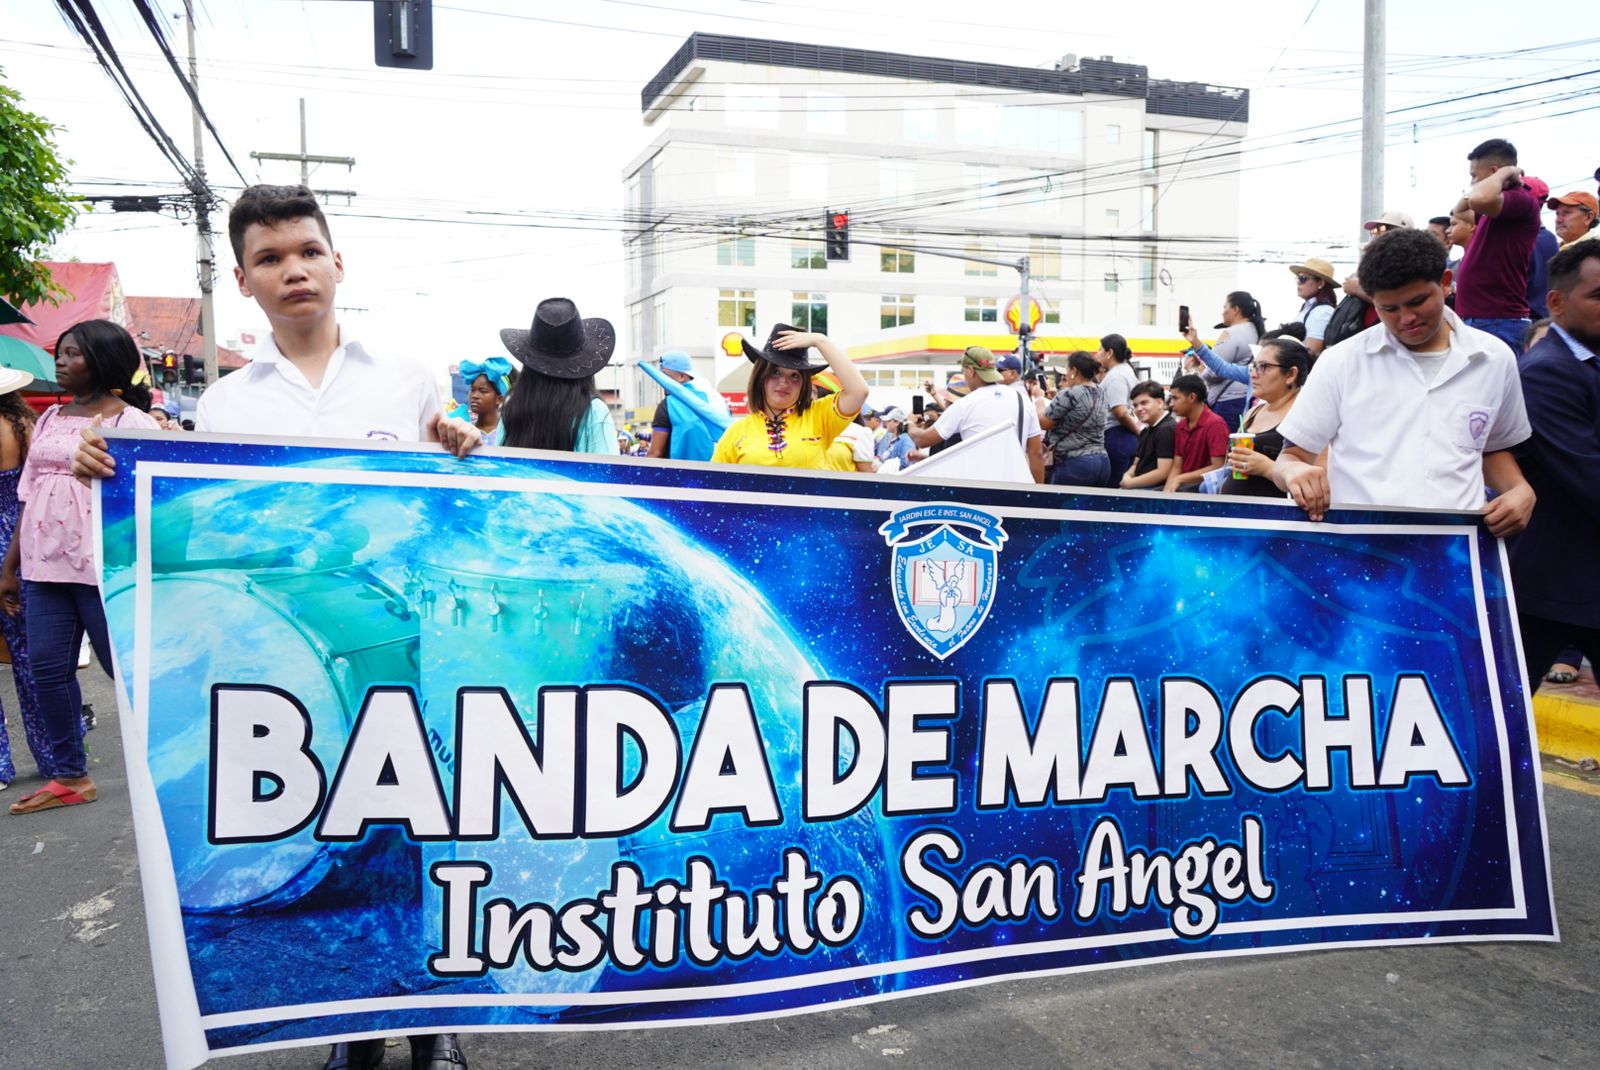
pixel 52 796
pixel 1563 676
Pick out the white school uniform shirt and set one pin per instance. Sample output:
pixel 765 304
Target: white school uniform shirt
pixel 1396 438
pixel 362 396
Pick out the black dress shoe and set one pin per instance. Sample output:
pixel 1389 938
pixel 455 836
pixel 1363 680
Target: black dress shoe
pixel 355 1055
pixel 439 1052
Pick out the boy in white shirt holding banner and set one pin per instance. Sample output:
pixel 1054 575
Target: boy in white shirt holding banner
pixel 309 381
pixel 1419 410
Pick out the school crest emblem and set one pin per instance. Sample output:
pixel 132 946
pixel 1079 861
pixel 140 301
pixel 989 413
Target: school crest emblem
pixel 944 579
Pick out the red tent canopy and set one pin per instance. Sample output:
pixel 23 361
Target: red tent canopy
pixel 93 292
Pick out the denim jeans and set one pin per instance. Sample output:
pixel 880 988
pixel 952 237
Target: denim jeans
pixel 1121 446
pixel 1088 470
pixel 1231 411
pixel 58 616
pixel 1508 331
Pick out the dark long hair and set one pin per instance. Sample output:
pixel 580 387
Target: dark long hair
pixel 1117 346
pixel 1292 355
pixel 1249 308
pixel 756 396
pixel 543 412
pixel 15 411
pixel 113 360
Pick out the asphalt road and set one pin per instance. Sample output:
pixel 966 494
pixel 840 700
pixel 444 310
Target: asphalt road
pixel 75 984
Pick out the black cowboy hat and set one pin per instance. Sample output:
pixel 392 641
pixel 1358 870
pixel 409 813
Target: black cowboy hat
pixel 783 358
pixel 561 342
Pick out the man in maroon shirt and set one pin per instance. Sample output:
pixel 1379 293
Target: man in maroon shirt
pixel 1202 439
pixel 1492 284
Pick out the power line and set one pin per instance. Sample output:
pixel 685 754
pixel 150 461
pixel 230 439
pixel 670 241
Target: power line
pixel 158 32
pixel 87 24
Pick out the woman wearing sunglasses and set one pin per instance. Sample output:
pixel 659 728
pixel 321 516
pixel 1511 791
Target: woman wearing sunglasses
pixel 1277 372
pixel 1314 282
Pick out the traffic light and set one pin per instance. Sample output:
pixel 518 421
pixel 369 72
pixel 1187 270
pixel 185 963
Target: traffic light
pixel 402 33
pixel 838 225
pixel 169 367
pixel 193 370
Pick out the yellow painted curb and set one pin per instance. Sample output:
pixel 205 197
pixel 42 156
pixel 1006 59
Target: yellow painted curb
pixel 1567 729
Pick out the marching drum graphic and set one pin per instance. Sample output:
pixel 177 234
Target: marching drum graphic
pixel 324 636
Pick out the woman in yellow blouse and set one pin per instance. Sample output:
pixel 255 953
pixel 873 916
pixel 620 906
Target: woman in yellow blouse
pixel 788 426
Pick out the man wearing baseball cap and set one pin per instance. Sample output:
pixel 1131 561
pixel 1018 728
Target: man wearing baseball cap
pixel 1577 216
pixel 989 403
pixel 1388 221
pixel 694 439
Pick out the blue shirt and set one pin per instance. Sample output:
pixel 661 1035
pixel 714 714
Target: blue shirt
pixel 1545 246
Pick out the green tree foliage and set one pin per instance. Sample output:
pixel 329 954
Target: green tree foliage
pixel 35 207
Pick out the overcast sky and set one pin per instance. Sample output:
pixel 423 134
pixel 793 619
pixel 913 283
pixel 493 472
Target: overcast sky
pixel 532 109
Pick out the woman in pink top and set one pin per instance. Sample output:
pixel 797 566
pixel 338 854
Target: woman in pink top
pixel 52 553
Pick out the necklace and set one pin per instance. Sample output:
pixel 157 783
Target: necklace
pixel 775 429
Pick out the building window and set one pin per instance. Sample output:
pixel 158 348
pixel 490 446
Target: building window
pixel 1113 134
pixel 1147 315
pixel 736 252
pixel 736 308
pixel 897 179
pixel 635 260
pixel 1112 284
pixel 1044 257
pixel 976 269
pixel 897 310
pixel 898 261
pixel 981 310
pixel 983 188
pixel 1147 271
pixel 736 173
pixel 975 123
pixel 808 256
pixel 635 205
pixel 921 119
pixel 658 320
pixel 1052 314
pixel 1152 149
pixel 636 325
pixel 753 106
pixel 1152 196
pixel 808 178
pixel 1113 219
pixel 825 114
pixel 809 311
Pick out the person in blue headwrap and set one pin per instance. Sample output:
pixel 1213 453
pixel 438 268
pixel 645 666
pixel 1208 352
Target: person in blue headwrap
pixel 690 418
pixel 488 383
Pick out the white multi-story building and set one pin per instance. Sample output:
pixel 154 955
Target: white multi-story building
pixel 1120 190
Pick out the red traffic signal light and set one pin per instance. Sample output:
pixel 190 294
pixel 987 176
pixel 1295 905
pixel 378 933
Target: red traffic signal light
pixel 838 228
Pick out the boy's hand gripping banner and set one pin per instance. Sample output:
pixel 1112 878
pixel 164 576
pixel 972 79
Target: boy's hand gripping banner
pixel 532 742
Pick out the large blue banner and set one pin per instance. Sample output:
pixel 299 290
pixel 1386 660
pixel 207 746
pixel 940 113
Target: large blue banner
pixel 530 741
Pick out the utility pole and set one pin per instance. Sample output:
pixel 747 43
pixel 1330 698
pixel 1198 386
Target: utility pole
pixel 306 159
pixel 202 215
pixel 1024 329
pixel 1373 58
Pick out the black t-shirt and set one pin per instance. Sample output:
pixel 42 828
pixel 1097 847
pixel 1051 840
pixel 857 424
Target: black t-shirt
pixel 661 421
pixel 1156 443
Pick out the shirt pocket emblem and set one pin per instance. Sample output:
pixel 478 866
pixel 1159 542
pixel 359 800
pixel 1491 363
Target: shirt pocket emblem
pixel 1470 424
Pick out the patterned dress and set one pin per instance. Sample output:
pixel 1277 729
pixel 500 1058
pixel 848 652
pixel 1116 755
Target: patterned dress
pixel 16 635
